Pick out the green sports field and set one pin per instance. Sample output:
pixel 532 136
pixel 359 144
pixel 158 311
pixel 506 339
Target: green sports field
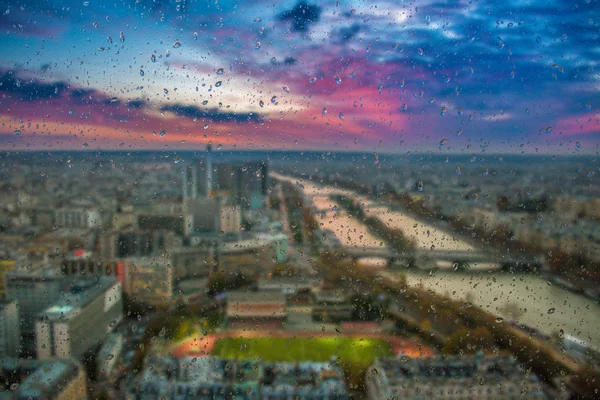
pixel 354 355
pixel 303 349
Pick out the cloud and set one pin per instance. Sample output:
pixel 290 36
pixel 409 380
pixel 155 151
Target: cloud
pixel 302 16
pixel 346 34
pixel 212 114
pixel 30 90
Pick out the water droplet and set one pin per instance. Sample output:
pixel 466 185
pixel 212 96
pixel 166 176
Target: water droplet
pixel 218 84
pixel 14 386
pixel 177 44
pixel 109 39
pixel 578 145
pixel 591 174
pixel 85 145
pixel 141 72
pixel 341 115
pixel 219 147
pixel 257 46
pixel 420 186
pixel 205 102
pixel 420 50
pixel 443 111
pixel 403 107
pixel 324 111
pixel 274 99
pixel 432 100
pixel 163 133
pixel 166 91
pixel 499 319
pixel 551 310
pixel 312 79
pixel 458 171
pixel 512 75
pixel 486 172
pixel 261 103
pixel 220 71
pixel 17 132
pixel 338 80
pixel 540 218
pixel 177 160
pixel 375 372
pixel 153 58
pixel 122 37
pixel 427 19
pixel 460 111
pixel 443 142
pixel 285 88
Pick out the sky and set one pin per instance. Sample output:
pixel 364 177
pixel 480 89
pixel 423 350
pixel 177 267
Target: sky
pixel 462 76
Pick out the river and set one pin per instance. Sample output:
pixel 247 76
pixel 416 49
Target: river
pixel 528 298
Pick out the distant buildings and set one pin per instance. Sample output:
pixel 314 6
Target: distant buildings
pixel 149 279
pixel 108 355
pixel 34 287
pixel 35 379
pixel 245 182
pixel 215 378
pixel 80 319
pixel 9 329
pixel 250 310
pixel 73 217
pixel 454 377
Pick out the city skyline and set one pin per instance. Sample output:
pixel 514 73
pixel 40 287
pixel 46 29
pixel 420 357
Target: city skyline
pixel 344 77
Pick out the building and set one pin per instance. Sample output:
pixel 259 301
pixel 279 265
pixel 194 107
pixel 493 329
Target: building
pixel 134 242
pixel 216 378
pixel 201 215
pixel 40 380
pixel 245 182
pixel 9 329
pixel 108 355
pixel 251 310
pixel 33 286
pixel 295 290
pixel 75 217
pixel 303 380
pixel 148 279
pixel 5 266
pixel 331 306
pixel 80 319
pixel 230 218
pixel 453 377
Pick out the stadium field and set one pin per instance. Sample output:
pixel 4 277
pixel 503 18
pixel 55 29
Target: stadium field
pixel 319 348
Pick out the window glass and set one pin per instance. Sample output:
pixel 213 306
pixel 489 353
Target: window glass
pixel 218 199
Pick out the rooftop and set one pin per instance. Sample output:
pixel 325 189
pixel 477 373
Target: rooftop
pixel 82 292
pixel 37 378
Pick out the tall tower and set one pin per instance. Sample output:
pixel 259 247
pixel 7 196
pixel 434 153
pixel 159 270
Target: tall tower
pixel 190 182
pixel 208 169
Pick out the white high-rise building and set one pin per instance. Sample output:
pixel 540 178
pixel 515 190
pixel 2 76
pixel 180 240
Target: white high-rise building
pixel 9 329
pixel 80 319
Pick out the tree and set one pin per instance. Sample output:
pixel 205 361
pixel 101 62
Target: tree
pixel 464 341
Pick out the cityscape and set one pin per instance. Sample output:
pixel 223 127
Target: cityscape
pixel 217 274
pixel 299 200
